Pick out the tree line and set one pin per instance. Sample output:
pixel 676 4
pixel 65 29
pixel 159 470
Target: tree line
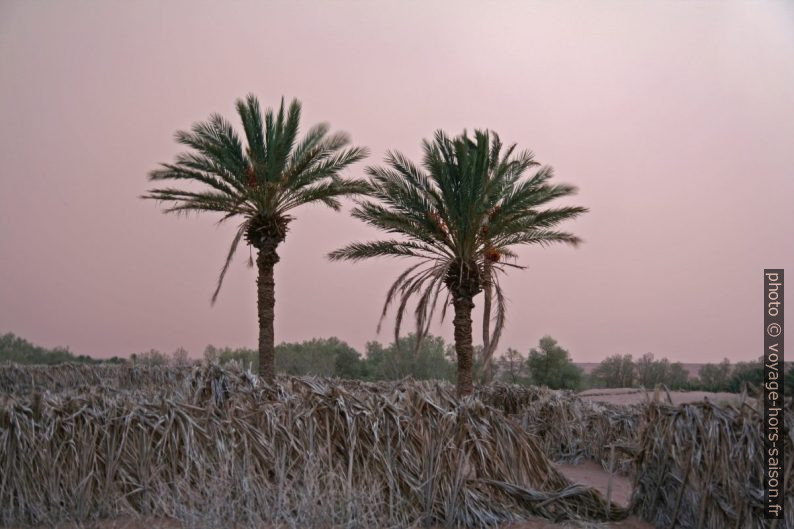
pixel 622 371
pixel 432 358
pixel 547 364
pixel 16 349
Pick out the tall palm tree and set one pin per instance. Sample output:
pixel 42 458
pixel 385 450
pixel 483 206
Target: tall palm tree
pixel 259 184
pixel 460 216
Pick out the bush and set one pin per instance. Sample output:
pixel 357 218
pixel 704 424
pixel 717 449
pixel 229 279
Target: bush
pixel 747 374
pixel 512 368
pixel 328 357
pixel 616 371
pixel 652 372
pixel 550 365
pixel 247 358
pixel 152 357
pixel 715 377
pixel 430 361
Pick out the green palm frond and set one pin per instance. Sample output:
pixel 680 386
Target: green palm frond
pixel 387 248
pixel 462 212
pixel 258 180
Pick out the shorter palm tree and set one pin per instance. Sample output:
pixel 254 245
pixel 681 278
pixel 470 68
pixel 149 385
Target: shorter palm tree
pixel 459 216
pixel 259 184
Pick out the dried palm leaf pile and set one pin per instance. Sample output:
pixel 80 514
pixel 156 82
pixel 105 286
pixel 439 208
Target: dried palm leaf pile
pixel 24 379
pixel 214 445
pixel 514 399
pixel 570 429
pixel 701 466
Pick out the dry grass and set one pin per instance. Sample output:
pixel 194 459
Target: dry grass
pixel 210 446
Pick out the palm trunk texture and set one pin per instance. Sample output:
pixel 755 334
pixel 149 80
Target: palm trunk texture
pixel 266 303
pixel 463 344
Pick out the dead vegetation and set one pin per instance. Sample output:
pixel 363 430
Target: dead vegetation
pixel 701 465
pixel 571 430
pixel 211 446
pixel 303 453
pixel 24 379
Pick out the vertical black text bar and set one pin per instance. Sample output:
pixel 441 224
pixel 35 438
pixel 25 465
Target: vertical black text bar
pixel 774 432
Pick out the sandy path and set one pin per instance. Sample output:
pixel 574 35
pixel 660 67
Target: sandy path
pixel 592 475
pixel 635 396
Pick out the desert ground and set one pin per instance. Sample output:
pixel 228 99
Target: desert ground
pixel 592 475
pixel 627 396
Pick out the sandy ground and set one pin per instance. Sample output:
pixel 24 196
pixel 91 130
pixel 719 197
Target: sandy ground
pixel 592 475
pixel 635 396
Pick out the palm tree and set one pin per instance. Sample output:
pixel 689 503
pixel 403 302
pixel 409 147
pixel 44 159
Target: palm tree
pixel 259 185
pixel 459 216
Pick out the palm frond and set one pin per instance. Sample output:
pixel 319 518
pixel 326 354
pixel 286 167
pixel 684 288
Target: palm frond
pixel 251 116
pixel 412 285
pixel 540 237
pixel 470 201
pixel 232 250
pixel 388 248
pixel 491 341
pixel 323 165
pixel 261 181
pixel 393 290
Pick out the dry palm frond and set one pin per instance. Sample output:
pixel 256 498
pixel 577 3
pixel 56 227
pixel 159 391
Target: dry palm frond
pixel 303 452
pixel 83 442
pixel 567 428
pixel 570 429
pixel 23 379
pixel 701 465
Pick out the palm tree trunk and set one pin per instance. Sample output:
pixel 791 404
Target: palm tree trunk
pixel 463 343
pixel 266 303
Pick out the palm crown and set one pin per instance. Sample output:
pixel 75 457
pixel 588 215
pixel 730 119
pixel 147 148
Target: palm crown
pixel 461 215
pixel 259 184
pixel 263 181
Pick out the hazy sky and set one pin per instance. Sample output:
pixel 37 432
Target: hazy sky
pixel 675 119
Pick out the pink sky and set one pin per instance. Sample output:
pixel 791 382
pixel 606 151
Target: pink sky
pixel 675 119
